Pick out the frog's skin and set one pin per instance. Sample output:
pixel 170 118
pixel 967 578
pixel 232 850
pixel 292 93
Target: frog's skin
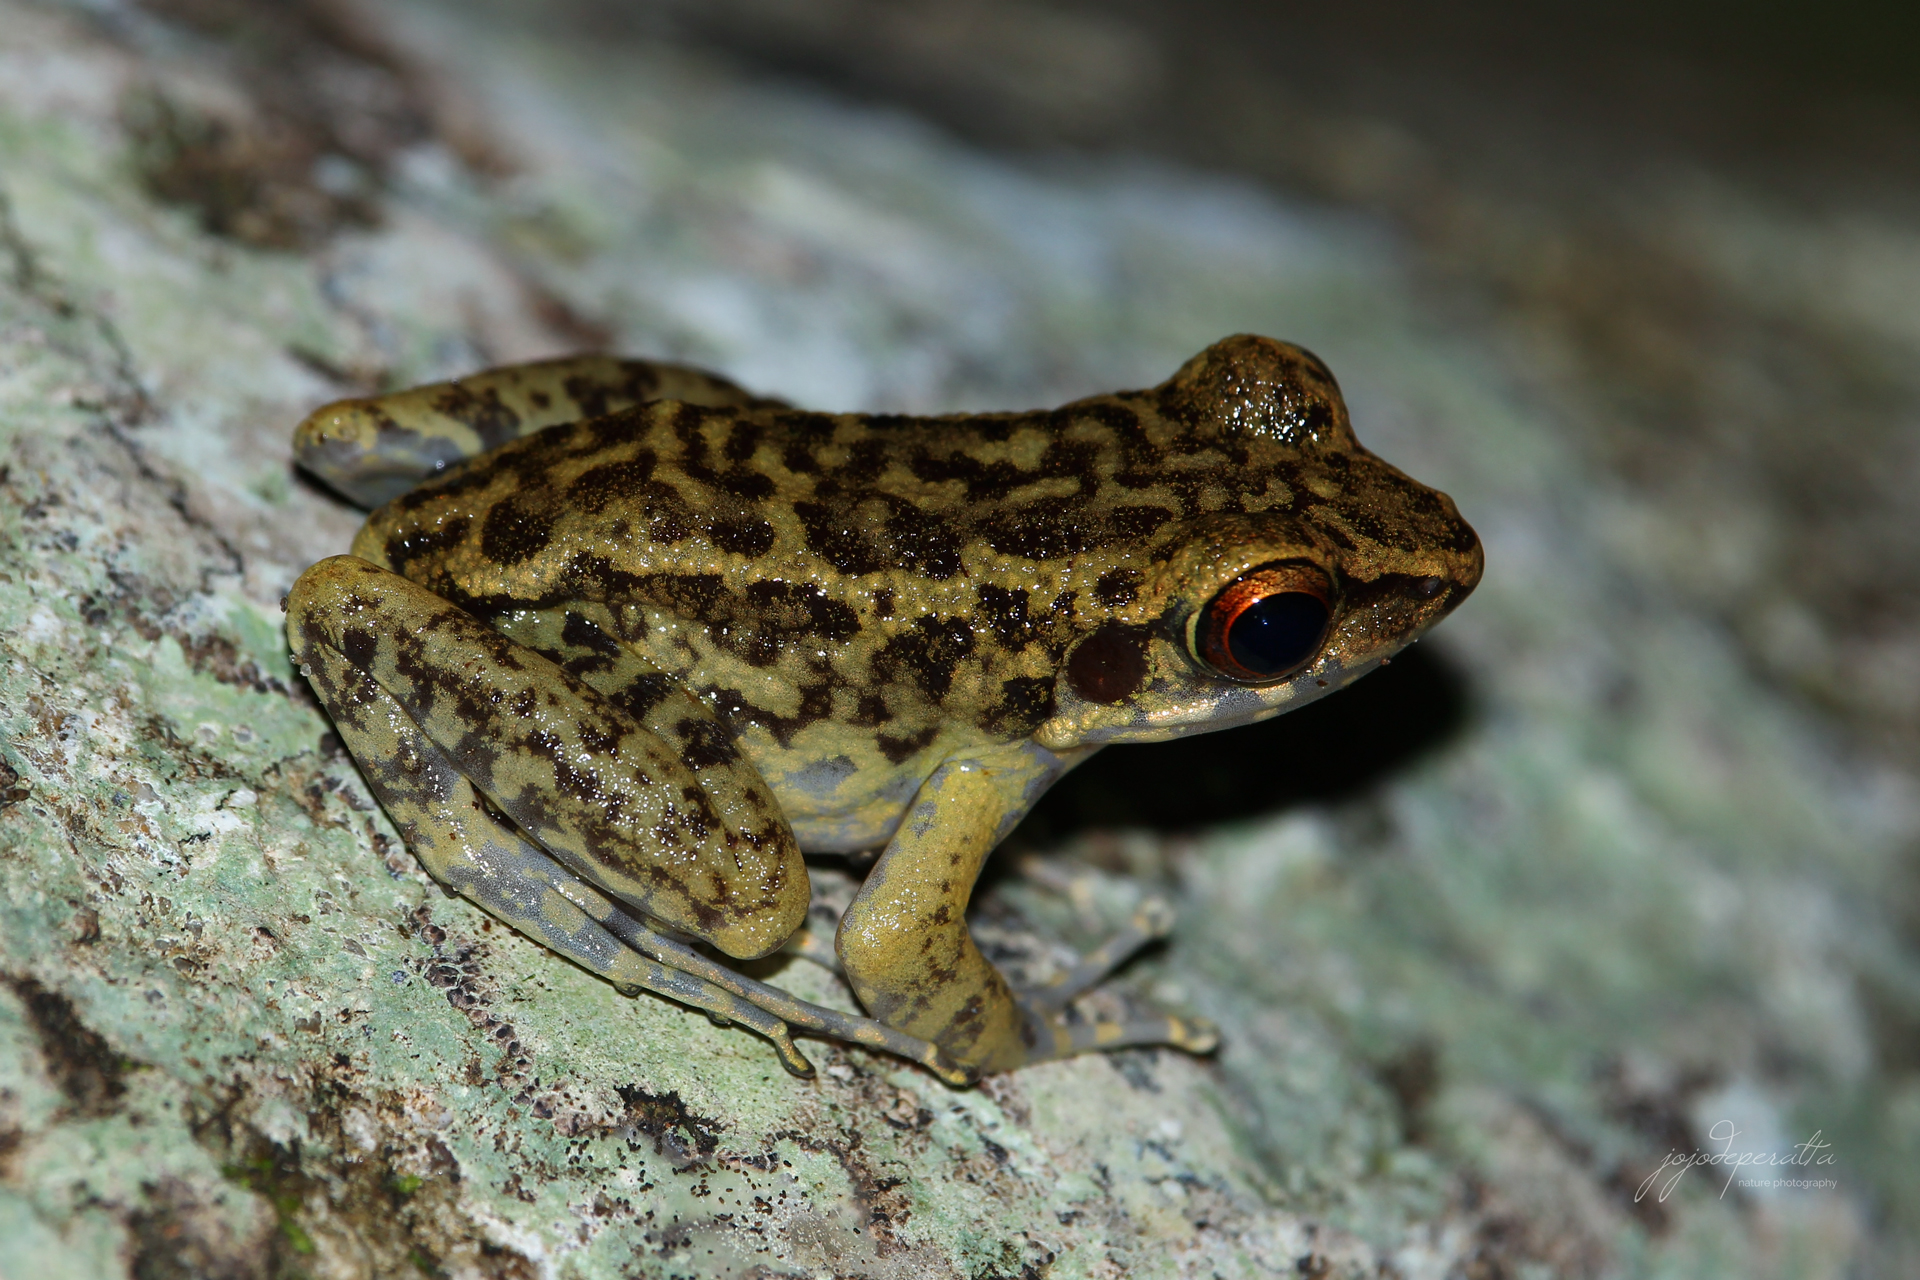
pixel 649 639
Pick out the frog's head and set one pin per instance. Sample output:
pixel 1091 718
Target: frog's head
pixel 1233 617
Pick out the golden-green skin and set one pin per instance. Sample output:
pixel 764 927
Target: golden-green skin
pixel 648 654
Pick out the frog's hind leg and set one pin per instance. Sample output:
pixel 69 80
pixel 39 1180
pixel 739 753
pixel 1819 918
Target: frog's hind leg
pixel 581 642
pixel 514 880
pixel 468 844
pixel 374 449
pixel 768 1000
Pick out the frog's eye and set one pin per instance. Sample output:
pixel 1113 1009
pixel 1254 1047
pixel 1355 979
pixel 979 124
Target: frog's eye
pixel 1265 623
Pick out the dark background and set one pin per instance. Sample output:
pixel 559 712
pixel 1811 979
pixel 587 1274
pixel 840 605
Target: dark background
pixel 1526 152
pixel 1802 93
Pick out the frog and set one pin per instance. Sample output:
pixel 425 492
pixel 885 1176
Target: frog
pixel 623 644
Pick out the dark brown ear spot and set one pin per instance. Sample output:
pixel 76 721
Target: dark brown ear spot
pixel 1258 386
pixel 1110 664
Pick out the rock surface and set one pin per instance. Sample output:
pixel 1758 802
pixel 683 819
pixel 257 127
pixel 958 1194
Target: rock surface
pixel 1631 897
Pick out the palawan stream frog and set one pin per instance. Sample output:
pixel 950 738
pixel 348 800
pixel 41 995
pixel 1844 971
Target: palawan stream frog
pixel 624 642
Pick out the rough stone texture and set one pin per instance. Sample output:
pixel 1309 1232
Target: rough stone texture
pixel 1469 1006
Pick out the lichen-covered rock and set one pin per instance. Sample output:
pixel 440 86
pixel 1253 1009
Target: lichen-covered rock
pixel 1468 1007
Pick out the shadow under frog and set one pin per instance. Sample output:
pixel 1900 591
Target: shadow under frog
pixel 624 641
pixel 1328 753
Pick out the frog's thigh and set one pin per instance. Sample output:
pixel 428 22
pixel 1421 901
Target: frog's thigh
pixel 612 801
pixel 468 848
pixel 581 642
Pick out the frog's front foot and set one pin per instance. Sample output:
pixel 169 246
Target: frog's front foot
pixel 1050 1026
pixel 1048 1008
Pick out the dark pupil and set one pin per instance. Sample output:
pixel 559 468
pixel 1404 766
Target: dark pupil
pixel 1277 633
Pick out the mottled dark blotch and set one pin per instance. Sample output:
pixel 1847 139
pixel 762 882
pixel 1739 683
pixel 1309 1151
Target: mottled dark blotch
pixel 411 544
pixel 359 647
pixel 898 749
pixel 584 633
pixel 596 398
pixel 1003 611
pixel 515 531
pixel 919 540
pixel 1044 529
pixel 491 420
pixel 601 487
pixel 1136 522
pixel 742 536
pixel 870 710
pixel 704 744
pixel 643 693
pixel 1117 587
pixel 833 535
pixel 929 653
pixel 801 609
pixel 1026 702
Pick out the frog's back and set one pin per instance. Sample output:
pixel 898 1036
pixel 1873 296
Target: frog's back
pixel 853 586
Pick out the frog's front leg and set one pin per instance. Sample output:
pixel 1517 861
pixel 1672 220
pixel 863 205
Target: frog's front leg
pixel 905 947
pixel 529 793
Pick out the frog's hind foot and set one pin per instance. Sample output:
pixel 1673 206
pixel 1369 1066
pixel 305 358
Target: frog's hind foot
pixel 373 450
pixel 744 992
pixel 468 844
